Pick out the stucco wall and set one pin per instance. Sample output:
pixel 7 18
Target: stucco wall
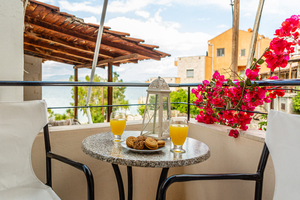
pixel 33 68
pixel 11 49
pixel 194 62
pixel 224 40
pixel 228 155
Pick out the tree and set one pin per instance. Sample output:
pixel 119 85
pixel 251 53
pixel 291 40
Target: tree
pixel 296 104
pixel 181 96
pixel 98 94
pixel 176 96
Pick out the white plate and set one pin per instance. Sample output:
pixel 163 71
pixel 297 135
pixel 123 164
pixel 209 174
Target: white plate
pixel 141 151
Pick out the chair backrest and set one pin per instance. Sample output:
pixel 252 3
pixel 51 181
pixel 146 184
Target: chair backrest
pixel 283 141
pixel 20 122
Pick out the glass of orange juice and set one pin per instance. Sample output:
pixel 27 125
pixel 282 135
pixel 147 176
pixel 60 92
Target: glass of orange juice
pixel 117 125
pixel 178 132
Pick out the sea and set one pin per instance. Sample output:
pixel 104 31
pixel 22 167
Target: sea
pixel 61 97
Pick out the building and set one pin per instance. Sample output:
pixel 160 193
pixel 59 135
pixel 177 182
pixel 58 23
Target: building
pixel 193 69
pixel 220 51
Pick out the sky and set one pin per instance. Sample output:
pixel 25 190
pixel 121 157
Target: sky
pixel 179 27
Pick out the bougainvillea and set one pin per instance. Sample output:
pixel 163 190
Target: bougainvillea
pixel 226 102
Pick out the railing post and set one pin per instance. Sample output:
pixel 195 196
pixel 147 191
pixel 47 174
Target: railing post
pixel 109 90
pixel 188 101
pixel 75 92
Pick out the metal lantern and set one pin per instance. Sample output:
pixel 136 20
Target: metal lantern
pixel 157 112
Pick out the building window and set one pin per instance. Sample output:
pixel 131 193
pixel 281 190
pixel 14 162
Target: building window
pixel 242 73
pixel 283 106
pixel 190 73
pixel 243 52
pixel 220 52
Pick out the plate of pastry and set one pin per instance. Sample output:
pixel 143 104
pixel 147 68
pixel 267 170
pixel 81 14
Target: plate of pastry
pixel 143 144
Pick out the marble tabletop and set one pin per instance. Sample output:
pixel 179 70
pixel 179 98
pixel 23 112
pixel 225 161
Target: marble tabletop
pixel 102 147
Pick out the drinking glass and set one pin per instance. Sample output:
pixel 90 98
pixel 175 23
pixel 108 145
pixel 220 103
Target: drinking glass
pixel 178 132
pixel 117 125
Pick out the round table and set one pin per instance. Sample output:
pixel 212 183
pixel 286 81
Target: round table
pixel 102 147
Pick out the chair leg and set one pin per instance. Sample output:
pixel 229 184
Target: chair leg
pixel 258 189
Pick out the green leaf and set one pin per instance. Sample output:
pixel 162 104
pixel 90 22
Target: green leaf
pixel 254 59
pixel 241 84
pixel 234 126
pixel 248 82
pixel 261 61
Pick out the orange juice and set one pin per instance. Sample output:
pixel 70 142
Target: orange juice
pixel 117 126
pixel 178 133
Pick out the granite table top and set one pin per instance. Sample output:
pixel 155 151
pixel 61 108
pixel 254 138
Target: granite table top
pixel 102 147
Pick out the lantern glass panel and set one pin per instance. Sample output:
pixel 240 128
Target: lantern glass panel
pixel 151 121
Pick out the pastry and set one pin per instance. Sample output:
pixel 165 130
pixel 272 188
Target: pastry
pixel 138 144
pixel 141 137
pixel 151 143
pixel 161 143
pixel 130 140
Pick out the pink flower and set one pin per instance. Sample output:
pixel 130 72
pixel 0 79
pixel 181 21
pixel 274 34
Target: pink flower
pixel 234 133
pixel 216 75
pixel 251 74
pixel 205 82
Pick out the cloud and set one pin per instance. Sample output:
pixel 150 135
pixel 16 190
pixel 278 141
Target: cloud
pixel 84 6
pixel 166 34
pixel 91 19
pixel 141 13
pixel 203 19
pixel 121 6
pixel 130 5
pixel 163 33
pixel 48 1
pixel 223 26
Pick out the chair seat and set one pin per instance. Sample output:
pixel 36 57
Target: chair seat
pixel 35 191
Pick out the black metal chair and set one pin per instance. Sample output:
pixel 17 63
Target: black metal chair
pixel 20 123
pixel 282 139
pixel 49 155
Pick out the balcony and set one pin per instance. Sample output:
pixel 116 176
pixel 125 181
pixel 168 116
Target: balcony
pixel 227 155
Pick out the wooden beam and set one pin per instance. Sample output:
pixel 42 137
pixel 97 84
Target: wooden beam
pixel 57 50
pixel 62 37
pixel 48 52
pixel 48 55
pixel 122 45
pixel 65 44
pixel 36 54
pixel 109 90
pixel 133 56
pixel 235 40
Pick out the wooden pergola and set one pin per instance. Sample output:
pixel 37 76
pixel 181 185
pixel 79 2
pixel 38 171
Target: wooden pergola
pixel 62 37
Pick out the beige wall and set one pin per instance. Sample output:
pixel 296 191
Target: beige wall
pixel 33 72
pixel 227 155
pixel 11 48
pixel 193 62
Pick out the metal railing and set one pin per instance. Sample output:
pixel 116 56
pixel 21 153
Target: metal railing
pixel 279 83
